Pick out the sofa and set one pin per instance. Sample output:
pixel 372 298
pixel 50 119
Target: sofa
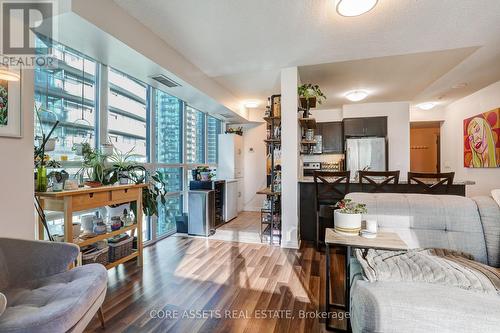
pixel 39 294
pixel 470 225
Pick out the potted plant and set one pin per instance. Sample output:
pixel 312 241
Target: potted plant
pixel 347 217
pixel 309 95
pixel 205 174
pixel 123 163
pixel 42 160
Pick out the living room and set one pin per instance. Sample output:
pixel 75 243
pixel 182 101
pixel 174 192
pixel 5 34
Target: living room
pixel 228 166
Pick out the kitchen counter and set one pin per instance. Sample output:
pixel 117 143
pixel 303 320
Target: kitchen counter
pixel 401 182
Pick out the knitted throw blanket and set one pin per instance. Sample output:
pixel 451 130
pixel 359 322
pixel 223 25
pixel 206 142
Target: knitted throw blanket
pixel 439 266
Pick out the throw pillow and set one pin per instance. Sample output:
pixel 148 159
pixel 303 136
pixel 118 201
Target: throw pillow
pixel 496 195
pixel 3 303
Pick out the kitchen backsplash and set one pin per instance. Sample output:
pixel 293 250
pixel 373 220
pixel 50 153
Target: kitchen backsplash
pixel 323 158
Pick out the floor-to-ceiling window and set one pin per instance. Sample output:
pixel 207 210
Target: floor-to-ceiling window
pixel 159 129
pixel 127 114
pixel 66 93
pixel 168 128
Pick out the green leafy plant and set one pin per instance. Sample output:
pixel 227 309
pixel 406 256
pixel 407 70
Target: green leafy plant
pixel 347 206
pixel 309 90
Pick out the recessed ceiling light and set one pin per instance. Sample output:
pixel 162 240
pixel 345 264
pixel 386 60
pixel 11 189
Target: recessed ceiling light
pixel 251 104
pixel 356 95
pixel 8 75
pixel 351 8
pixel 426 106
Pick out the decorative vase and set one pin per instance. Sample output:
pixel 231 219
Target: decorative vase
pixel 41 179
pixel 205 176
pixel 308 103
pixel 347 224
pixel 123 177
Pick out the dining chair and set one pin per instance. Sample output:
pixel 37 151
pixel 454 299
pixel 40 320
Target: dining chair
pixel 330 187
pixel 375 181
pixel 431 183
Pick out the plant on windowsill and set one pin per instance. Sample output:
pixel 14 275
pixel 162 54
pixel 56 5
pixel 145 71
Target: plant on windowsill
pixel 237 131
pixel 347 217
pixel 309 95
pixel 101 172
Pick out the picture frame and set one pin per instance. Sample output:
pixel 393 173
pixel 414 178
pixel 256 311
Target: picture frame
pixel 11 120
pixel 482 140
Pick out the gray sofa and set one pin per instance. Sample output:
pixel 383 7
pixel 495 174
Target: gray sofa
pixel 42 295
pixel 471 225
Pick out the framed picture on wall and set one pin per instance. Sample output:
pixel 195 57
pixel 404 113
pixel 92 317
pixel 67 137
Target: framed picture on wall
pixel 10 103
pixel 482 140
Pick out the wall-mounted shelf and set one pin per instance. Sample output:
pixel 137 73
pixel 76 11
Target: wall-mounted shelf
pixel 307 123
pixel 274 120
pixel 308 142
pixel 272 141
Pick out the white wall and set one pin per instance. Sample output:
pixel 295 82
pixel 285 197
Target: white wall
pixel 254 159
pixel 290 160
pixel 398 129
pixel 435 114
pixel 452 139
pixel 323 116
pixel 17 218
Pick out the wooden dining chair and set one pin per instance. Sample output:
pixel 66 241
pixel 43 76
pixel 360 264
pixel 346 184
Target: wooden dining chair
pixel 433 181
pixel 330 187
pixel 375 181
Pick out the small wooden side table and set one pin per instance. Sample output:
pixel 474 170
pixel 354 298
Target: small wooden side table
pixel 87 198
pixel 383 241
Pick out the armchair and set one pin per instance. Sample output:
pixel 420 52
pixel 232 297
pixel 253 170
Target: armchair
pixel 41 294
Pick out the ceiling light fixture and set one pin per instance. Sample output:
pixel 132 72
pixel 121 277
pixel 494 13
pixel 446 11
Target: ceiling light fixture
pixel 8 75
pixel 356 95
pixel 426 106
pixel 251 104
pixel 352 8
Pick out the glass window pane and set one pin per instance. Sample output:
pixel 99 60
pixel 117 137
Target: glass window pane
pixel 168 128
pixel 127 126
pixel 214 127
pixel 66 93
pixel 173 177
pixel 167 215
pixel 195 136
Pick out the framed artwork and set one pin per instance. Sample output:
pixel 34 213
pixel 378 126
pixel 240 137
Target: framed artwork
pixel 10 106
pixel 482 140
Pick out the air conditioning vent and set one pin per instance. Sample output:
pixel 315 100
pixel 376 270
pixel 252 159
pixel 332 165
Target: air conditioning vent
pixel 165 80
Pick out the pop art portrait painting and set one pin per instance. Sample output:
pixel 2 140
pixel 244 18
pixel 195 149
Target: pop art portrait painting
pixel 482 140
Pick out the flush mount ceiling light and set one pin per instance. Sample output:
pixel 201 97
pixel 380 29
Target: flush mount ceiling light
pixel 351 8
pixel 8 75
pixel 356 95
pixel 251 104
pixel 426 106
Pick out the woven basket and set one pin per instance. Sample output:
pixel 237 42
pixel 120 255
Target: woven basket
pixel 98 257
pixel 120 250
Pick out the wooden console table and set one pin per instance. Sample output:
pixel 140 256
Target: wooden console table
pixel 87 198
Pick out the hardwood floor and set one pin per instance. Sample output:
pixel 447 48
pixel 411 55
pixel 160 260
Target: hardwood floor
pixel 244 228
pixel 236 281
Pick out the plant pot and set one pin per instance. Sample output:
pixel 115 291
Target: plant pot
pixel 107 149
pixel 347 224
pixel 50 145
pixel 205 176
pixel 78 149
pixel 123 178
pixel 308 103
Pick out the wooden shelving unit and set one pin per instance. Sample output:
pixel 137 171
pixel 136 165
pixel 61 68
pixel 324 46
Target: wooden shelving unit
pixel 307 123
pixel 271 218
pixel 69 202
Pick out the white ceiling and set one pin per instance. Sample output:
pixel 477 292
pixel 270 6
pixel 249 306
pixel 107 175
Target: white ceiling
pixel 243 44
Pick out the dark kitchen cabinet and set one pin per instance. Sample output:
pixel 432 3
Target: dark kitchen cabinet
pixel 332 136
pixel 370 126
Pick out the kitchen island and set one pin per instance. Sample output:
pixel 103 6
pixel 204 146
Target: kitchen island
pixel 307 199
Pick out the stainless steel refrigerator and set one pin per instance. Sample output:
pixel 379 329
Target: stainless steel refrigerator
pixel 366 153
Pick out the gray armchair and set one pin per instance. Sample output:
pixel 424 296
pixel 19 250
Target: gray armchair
pixel 41 294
